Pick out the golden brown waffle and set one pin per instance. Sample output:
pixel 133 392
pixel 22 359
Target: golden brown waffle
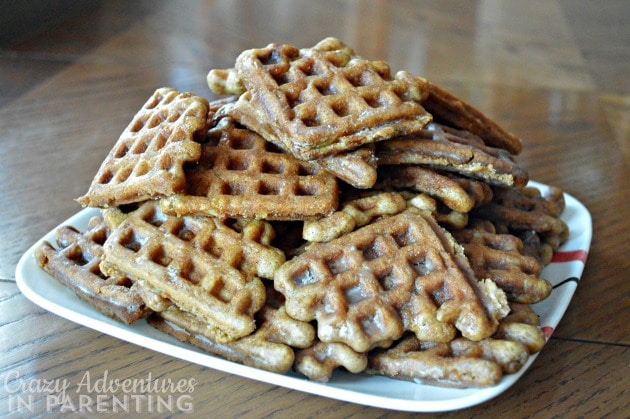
pixel 517 336
pixel 443 215
pixel 269 347
pixel 76 265
pixel 364 207
pixel 323 100
pixel 434 363
pixel 225 82
pixel 356 167
pixel 202 265
pixel 529 215
pixel 463 362
pixel 522 325
pixel 452 111
pixel 459 363
pixel 147 160
pixel 241 175
pixel 320 360
pixel 354 213
pixel 398 273
pixel 499 257
pixel 444 148
pixel 458 193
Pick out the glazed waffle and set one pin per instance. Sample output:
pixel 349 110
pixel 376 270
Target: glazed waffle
pixel 225 82
pixel 76 265
pixel 319 101
pixel 444 148
pixel 499 257
pixel 194 192
pixel 462 362
pixel 354 213
pixel 241 175
pixel 201 265
pixel 453 111
pixel 528 214
pixel 318 362
pixel 458 193
pixel 147 160
pixel 442 214
pixel 356 167
pixel 399 273
pixel 269 347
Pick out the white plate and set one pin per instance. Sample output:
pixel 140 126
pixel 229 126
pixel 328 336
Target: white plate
pixel 564 273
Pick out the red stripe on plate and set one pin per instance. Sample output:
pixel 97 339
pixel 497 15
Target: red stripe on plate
pixel 547 331
pixel 576 255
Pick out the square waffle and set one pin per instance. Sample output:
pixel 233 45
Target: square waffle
pixel 444 148
pixel 202 265
pixel 453 111
pixel 147 160
pixel 319 101
pixel 463 362
pixel 269 347
pixel 396 274
pixel 239 174
pixel 356 167
pixel 529 215
pixel 457 193
pixel 193 193
pixel 75 264
pixel 318 362
pixel 500 258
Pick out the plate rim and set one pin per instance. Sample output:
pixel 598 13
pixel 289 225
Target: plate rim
pixel 169 346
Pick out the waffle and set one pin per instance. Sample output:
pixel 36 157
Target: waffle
pixel 458 193
pixel 318 362
pixel 452 111
pixel 356 167
pixel 529 215
pixel 442 214
pixel 442 364
pixel 147 160
pixel 355 213
pixel 463 362
pixel 398 273
pixel 499 257
pixel 76 265
pixel 414 244
pixel 225 82
pixel 202 265
pixel 323 100
pixel 522 325
pixel 444 148
pixel 241 175
pixel 269 347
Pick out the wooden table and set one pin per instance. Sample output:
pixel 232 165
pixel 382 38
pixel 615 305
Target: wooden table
pixel 553 72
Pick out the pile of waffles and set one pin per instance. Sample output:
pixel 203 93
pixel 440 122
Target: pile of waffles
pixel 320 214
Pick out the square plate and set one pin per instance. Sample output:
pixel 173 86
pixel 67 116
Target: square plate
pixel 564 273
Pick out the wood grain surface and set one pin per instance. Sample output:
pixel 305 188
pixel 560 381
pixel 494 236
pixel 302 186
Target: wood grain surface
pixel 556 73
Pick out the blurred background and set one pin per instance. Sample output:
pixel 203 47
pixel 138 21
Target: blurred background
pixel 576 45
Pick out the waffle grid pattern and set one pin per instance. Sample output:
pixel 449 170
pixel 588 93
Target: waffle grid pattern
pixel 241 175
pixel 187 262
pixel 76 265
pixel 147 160
pixel 325 99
